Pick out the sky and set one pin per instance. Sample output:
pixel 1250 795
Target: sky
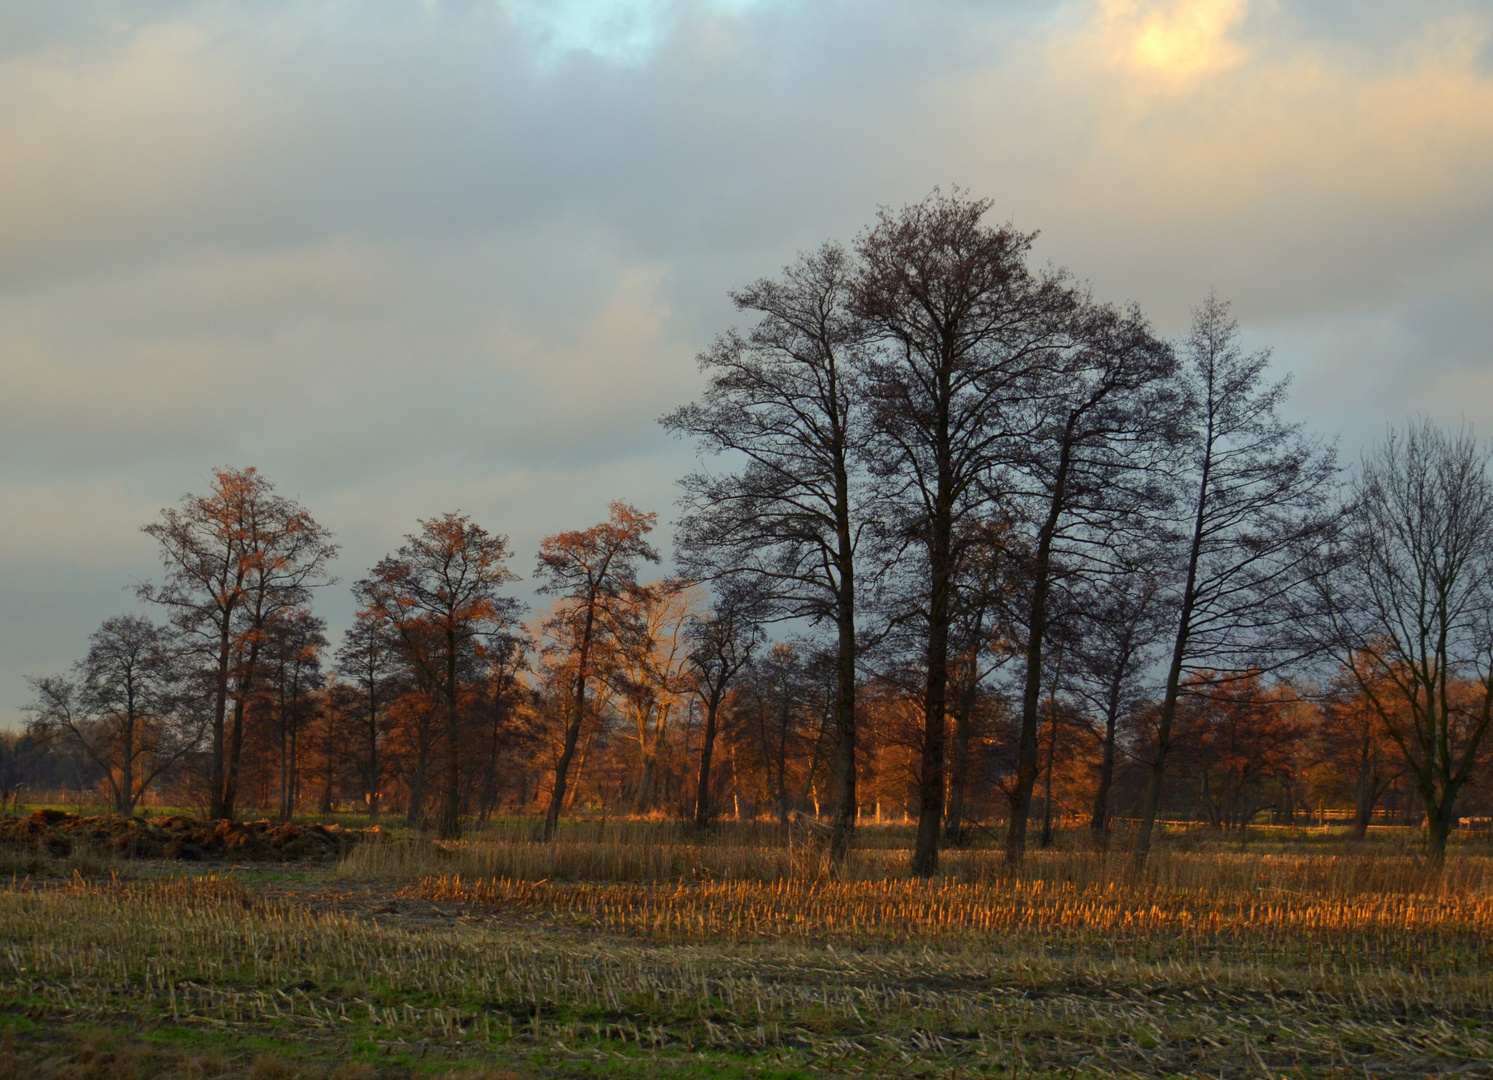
pixel 415 256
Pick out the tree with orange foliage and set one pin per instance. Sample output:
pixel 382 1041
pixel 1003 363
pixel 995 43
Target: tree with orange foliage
pixel 652 673
pixel 236 559
pixel 592 571
pixel 438 597
pixel 1244 736
pixel 1357 749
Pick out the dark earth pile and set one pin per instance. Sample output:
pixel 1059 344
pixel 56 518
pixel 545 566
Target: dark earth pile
pixel 55 832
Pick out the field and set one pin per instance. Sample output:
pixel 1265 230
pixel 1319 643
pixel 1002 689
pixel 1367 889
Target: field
pixel 638 950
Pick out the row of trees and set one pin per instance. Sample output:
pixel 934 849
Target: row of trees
pixel 1239 751
pixel 1011 545
pixel 1028 477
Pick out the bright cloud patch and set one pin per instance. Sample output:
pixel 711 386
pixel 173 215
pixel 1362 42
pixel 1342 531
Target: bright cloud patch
pixel 1176 38
pixel 626 32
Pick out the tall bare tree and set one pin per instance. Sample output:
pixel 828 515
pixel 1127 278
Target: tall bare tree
pixel 965 333
pixel 786 401
pixel 591 571
pixel 1407 606
pixel 439 595
pixel 235 559
pixel 1093 464
pixel 1254 496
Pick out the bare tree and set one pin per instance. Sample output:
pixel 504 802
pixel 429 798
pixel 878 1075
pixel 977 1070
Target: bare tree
pixel 293 644
pixel 1254 493
pixel 1122 619
pixel 776 711
pixel 439 595
pixel 721 644
pixel 591 571
pixel 1099 436
pixel 964 333
pixel 125 709
pixel 786 400
pixel 980 641
pixel 235 559
pixel 1407 606
pixel 652 671
pixel 368 661
pixel 502 696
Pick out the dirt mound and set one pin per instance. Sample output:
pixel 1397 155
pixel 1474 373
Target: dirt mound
pixel 55 832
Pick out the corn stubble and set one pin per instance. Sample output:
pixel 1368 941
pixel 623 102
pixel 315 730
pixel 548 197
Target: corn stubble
pixel 1215 964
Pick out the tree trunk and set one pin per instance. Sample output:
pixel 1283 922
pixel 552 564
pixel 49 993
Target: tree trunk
pixel 781 770
pixel 373 769
pixel 842 831
pixel 124 794
pixel 235 753
pixel 931 777
pixel 707 747
pixel 417 784
pixel 953 826
pixel 1438 829
pixel 641 800
pixel 328 785
pixel 215 808
pixel 573 728
pixel 449 827
pixel 1157 777
pixel 562 767
pixel 240 714
pixel 1052 752
pixel 1026 761
pixel 959 767
pixel 1364 790
pixel 1099 821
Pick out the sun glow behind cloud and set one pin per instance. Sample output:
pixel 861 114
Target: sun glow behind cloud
pixel 1174 39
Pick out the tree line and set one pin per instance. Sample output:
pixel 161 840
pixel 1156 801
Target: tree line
pixel 965 543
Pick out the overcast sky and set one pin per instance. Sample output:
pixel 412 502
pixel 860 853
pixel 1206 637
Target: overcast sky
pixel 410 257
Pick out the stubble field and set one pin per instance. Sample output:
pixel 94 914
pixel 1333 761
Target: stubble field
pixel 638 950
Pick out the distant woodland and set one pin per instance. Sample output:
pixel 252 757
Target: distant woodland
pixel 967 547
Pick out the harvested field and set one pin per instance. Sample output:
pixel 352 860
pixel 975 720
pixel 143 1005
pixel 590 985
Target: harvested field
pixel 1233 965
pixel 902 910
